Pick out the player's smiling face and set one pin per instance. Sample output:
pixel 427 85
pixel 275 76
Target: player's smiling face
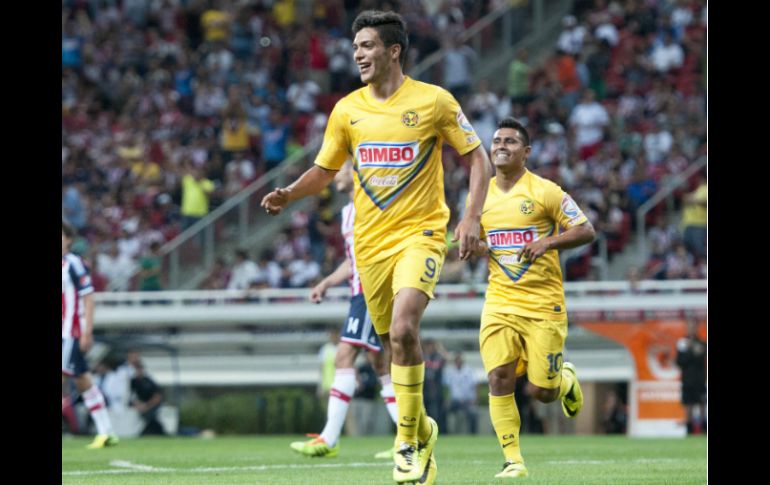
pixel 508 149
pixel 371 56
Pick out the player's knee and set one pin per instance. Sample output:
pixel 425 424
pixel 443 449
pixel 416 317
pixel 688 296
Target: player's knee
pixel 542 394
pixel 345 357
pixel 403 334
pixel 501 381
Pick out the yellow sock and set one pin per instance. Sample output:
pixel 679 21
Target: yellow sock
pixel 506 421
pixel 407 385
pixel 567 379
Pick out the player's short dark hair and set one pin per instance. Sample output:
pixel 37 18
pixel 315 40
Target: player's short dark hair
pixel 67 229
pixel 510 122
pixel 390 26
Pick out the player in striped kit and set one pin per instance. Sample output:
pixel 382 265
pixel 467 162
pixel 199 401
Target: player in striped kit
pixel 77 312
pixel 357 333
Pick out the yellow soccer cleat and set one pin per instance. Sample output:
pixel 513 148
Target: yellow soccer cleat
pixel 103 441
pixel 572 402
pixel 316 447
pixel 512 470
pixel 429 474
pixel 406 469
pixel 425 450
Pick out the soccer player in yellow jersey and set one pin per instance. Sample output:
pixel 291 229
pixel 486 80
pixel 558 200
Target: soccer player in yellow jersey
pixel 394 129
pixel 524 321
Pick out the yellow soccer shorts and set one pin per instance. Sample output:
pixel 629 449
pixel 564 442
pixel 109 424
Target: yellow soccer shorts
pixel 537 343
pixel 416 266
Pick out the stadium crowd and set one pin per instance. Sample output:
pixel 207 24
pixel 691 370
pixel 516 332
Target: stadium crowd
pixel 171 106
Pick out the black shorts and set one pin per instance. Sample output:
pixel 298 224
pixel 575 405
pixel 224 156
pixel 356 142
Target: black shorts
pixel 693 394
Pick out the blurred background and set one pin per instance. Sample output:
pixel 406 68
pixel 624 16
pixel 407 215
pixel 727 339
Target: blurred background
pixel 179 115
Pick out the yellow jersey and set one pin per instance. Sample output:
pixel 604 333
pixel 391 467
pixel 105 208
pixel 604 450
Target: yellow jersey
pixel 532 209
pixel 395 146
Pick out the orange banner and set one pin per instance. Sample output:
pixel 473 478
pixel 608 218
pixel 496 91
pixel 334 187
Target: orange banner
pixel 655 395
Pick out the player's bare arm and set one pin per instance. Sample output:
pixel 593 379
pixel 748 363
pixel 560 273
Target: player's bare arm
pixel 309 183
pixel 571 238
pixel 467 231
pixel 339 275
pixel 87 335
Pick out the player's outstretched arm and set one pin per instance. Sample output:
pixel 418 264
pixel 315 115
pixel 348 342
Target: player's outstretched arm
pixel 309 183
pixel 339 275
pixel 571 238
pixel 467 231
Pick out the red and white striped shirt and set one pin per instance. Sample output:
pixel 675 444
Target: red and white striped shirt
pixel 348 218
pixel 75 284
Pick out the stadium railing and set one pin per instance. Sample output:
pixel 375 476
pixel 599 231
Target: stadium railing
pixel 272 336
pixel 665 192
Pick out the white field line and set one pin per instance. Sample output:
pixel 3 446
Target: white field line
pixel 128 467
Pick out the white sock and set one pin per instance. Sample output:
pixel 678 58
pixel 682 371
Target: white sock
pixel 343 387
pixel 389 396
pixel 94 401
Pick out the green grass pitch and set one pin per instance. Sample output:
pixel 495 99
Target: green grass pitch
pixel 252 460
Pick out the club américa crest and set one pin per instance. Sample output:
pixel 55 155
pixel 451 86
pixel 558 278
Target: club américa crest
pixel 410 118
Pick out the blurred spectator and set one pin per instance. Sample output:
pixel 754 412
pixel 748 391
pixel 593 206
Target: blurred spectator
pixel 461 382
pixel 518 78
pixel 458 65
pixel 215 22
pixel 268 271
pixel 195 195
pixel 304 271
pixel 613 415
pixel 115 384
pixel 691 359
pixel 667 54
pixel 364 399
pixel 588 120
pixel 695 217
pixel 572 36
pixel 435 358
pixel 74 206
pixel 302 93
pixel 482 107
pixel 117 267
pixel 275 136
pixel 147 399
pixel 243 273
pixel 218 276
pixel 150 265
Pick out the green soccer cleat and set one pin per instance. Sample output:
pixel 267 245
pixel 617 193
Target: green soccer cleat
pixel 103 441
pixel 512 470
pixel 572 402
pixel 316 447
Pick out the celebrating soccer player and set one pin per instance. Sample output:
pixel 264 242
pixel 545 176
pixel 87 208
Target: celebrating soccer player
pixel 394 128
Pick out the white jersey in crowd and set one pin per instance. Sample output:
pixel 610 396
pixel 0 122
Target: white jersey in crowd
pixel 75 284
pixel 348 218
